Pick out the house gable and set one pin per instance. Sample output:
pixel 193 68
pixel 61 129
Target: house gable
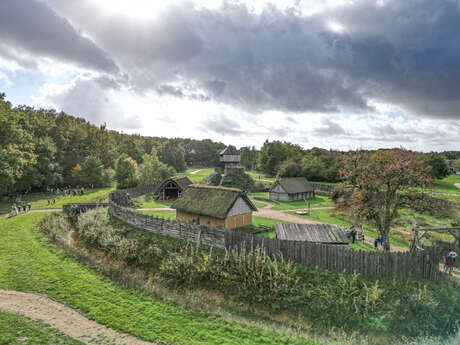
pixel 239 207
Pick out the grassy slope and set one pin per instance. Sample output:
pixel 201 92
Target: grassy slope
pixel 32 265
pixel 17 329
pixel 197 177
pixel 40 200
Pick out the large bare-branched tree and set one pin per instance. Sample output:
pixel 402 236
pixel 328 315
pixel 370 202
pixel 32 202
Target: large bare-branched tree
pixel 375 184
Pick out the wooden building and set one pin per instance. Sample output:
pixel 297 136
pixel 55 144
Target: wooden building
pixel 315 233
pixel 230 159
pixel 290 189
pixel 217 206
pixel 172 188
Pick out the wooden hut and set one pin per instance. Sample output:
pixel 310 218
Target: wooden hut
pixel 172 188
pixel 290 189
pixel 217 206
pixel 316 233
pixel 230 159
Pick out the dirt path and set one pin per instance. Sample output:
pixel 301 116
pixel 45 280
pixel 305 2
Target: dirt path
pixel 195 172
pixel 34 211
pixel 273 214
pixel 65 319
pixel 457 185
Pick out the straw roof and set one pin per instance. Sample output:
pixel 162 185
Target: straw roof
pixel 295 185
pixel 182 183
pixel 212 201
pixel 317 233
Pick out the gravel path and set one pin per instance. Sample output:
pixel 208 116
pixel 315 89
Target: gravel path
pixel 65 319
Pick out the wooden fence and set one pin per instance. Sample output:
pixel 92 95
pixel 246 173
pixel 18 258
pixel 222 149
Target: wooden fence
pixel 171 228
pixel 339 258
pixel 424 264
pixel 323 187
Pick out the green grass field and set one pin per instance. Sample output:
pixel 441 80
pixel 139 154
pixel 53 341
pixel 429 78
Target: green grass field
pixel 149 201
pixel 163 214
pixel 30 264
pixel 198 176
pixel 17 329
pixel 317 201
pixel 40 200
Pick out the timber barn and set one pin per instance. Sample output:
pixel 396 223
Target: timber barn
pixel 172 188
pixel 230 159
pixel 216 206
pixel 290 189
pixel 315 233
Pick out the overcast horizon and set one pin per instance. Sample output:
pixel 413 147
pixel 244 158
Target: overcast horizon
pixel 336 74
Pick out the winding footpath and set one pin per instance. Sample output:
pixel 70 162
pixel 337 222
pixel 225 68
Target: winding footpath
pixel 65 319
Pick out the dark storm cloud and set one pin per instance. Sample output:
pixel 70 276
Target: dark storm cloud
pixel 329 128
pixel 406 53
pixel 30 29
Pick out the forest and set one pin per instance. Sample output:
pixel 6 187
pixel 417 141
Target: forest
pixel 43 148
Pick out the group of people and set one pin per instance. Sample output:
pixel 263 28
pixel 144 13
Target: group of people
pixel 449 261
pixel 16 209
pixel 353 232
pixel 66 191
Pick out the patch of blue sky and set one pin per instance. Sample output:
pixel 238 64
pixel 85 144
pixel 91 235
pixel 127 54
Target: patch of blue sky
pixel 23 86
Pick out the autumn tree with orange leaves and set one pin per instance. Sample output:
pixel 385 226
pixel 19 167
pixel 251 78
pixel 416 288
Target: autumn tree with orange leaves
pixel 376 184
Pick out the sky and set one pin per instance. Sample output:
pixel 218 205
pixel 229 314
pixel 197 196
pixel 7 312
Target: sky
pixel 337 74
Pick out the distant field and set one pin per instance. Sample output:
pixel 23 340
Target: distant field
pixel 446 185
pixel 196 174
pixel 40 200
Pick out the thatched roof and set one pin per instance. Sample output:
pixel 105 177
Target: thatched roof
pixel 317 233
pixel 295 185
pixel 230 150
pixel 182 183
pixel 212 201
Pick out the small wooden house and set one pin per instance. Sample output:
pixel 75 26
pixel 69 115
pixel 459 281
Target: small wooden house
pixel 172 188
pixel 217 206
pixel 290 189
pixel 315 233
pixel 230 159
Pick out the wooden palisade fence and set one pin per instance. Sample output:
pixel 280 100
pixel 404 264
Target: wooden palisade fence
pixel 422 264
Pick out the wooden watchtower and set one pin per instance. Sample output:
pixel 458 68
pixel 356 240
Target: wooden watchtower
pixel 230 159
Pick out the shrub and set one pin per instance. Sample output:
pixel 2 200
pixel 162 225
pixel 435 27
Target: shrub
pixel 238 179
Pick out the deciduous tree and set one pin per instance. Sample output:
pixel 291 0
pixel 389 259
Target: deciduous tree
pixel 376 183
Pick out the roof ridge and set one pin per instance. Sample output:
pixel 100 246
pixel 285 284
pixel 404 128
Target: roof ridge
pixel 205 186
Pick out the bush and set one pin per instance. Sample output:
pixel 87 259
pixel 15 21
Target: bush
pixel 238 179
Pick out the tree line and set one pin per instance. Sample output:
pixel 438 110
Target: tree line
pixel 284 159
pixel 42 148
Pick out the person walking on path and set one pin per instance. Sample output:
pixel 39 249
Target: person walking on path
pixel 353 234
pixel 24 208
pixel 29 206
pixel 450 261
